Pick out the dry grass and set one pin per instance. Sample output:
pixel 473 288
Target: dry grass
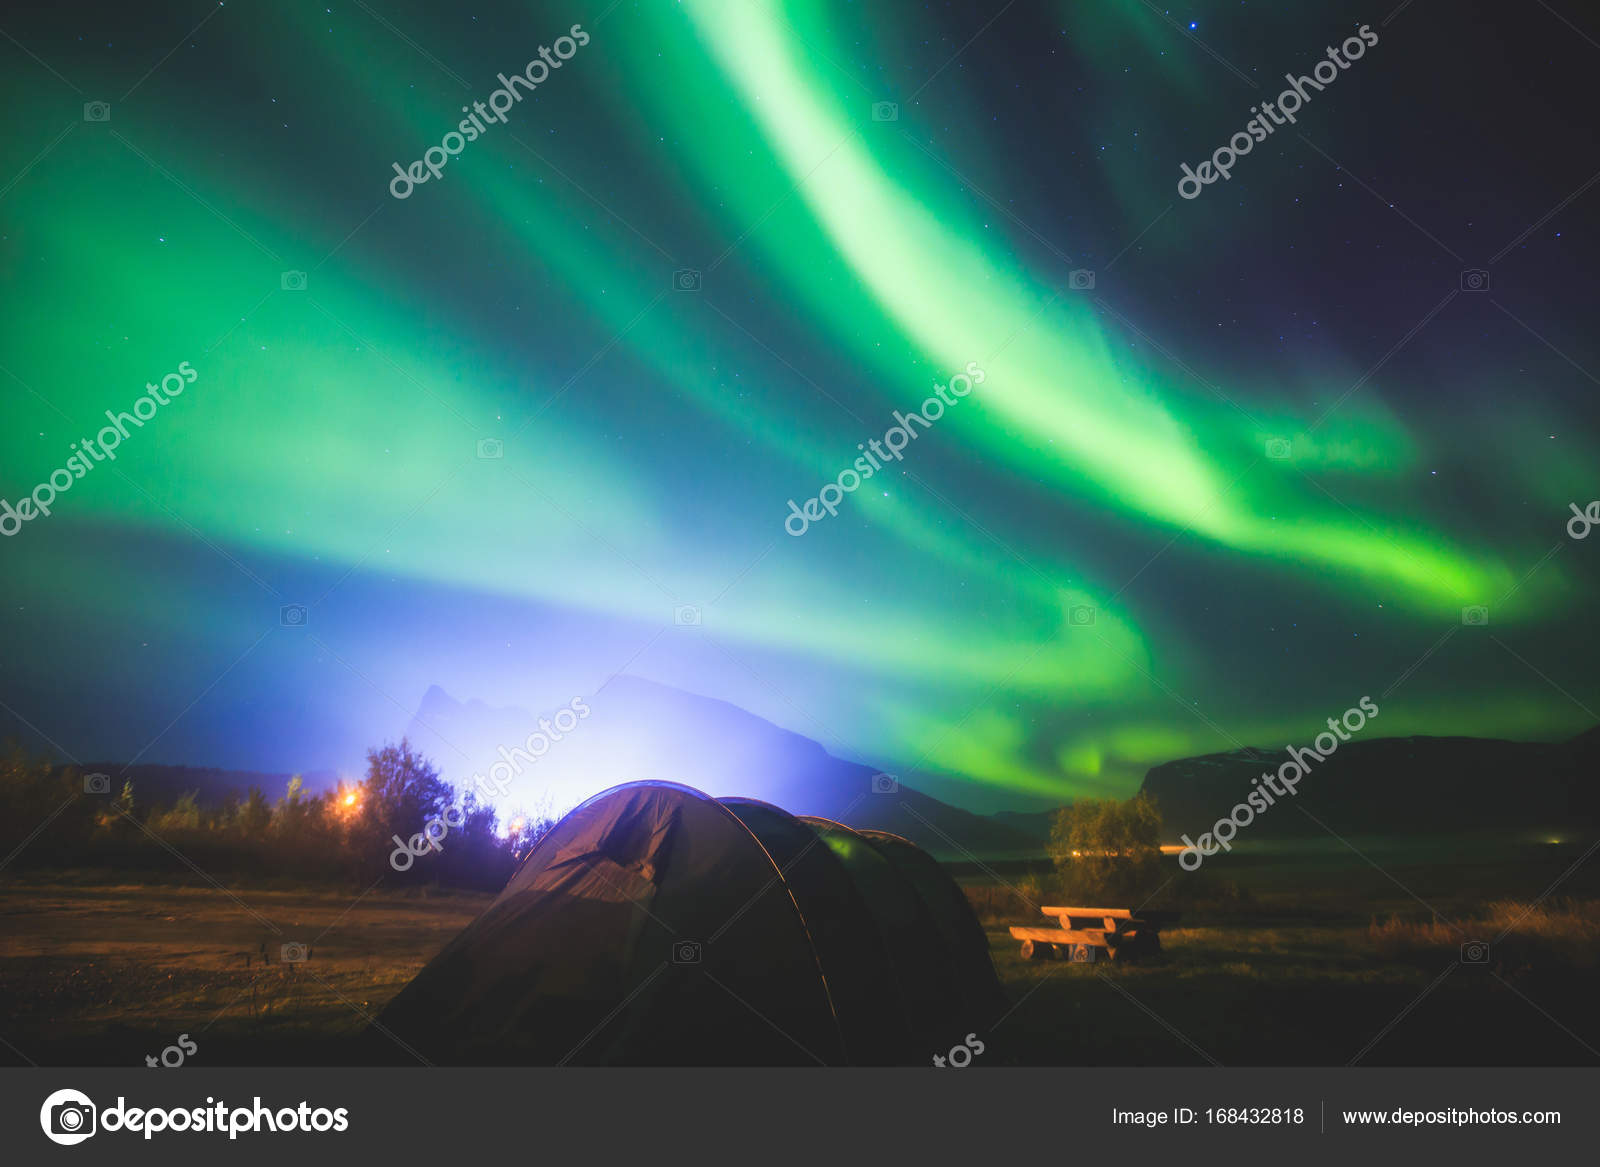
pixel 1018 903
pixel 1507 934
pixel 98 974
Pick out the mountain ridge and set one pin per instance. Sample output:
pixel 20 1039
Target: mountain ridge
pixel 1407 785
pixel 642 729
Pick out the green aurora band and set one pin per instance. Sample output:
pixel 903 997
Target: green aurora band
pixel 928 623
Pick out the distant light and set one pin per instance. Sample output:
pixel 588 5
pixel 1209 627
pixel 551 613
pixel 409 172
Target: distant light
pixel 350 800
pixel 1194 24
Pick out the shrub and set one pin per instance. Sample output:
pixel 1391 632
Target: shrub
pixel 1108 851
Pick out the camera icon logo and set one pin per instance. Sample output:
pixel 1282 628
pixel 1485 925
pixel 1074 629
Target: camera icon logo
pixel 1081 615
pixel 686 952
pixel 885 784
pixel 686 279
pixel 1474 279
pixel 1279 449
pixel 1080 280
pixel 97 111
pixel 97 783
pixel 68 1117
pixel 686 616
pixel 1474 952
pixel 292 281
pixel 292 615
pixel 1475 616
pixel 491 448
pixel 294 952
pixel 885 111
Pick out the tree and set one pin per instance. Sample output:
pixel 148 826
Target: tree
pixel 254 816
pixel 293 810
pixel 183 815
pixel 402 792
pixel 473 853
pixel 34 792
pixel 526 831
pixel 1103 847
pixel 525 828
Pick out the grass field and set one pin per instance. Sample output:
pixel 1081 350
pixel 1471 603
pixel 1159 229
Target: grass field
pixel 1326 958
pixel 105 974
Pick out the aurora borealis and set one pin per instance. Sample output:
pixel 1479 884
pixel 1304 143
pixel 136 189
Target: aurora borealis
pixel 495 441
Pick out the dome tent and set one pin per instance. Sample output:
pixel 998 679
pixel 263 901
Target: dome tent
pixel 657 926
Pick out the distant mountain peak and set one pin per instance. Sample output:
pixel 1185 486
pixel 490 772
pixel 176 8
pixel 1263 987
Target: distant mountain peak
pixel 636 728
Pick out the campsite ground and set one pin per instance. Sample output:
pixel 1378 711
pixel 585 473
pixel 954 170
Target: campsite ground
pixel 1360 951
pixel 99 972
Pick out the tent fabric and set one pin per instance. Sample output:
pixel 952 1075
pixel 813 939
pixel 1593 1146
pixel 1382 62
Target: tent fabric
pixel 925 985
pixel 657 926
pixel 964 937
pixel 849 946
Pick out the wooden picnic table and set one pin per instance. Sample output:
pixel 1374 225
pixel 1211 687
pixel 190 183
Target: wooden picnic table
pixel 1091 934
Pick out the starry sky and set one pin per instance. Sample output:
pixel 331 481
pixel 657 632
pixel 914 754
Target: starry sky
pixel 1236 461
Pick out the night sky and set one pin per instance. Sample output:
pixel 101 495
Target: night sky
pixel 700 266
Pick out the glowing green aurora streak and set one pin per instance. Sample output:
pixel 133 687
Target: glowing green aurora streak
pixel 337 426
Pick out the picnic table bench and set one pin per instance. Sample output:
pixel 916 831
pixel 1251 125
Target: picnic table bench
pixel 1090 934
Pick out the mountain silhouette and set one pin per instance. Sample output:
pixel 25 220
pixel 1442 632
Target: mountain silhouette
pixel 1396 786
pixel 638 729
